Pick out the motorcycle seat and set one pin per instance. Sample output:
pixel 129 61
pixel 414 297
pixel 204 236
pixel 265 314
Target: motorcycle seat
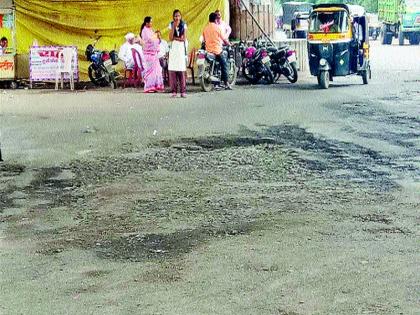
pixel 210 56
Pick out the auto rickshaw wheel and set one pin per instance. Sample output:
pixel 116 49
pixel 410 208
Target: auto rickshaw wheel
pixel 365 76
pixel 324 79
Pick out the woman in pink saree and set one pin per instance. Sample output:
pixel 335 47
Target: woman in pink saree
pixel 153 80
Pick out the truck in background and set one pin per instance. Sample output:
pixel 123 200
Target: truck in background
pixel 400 19
pixel 290 9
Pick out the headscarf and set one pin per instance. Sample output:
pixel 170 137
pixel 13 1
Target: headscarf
pixel 129 36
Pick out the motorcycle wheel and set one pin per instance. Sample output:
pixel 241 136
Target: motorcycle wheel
pixel 248 75
pixel 91 74
pixel 113 84
pixel 268 75
pixel 293 77
pixel 233 72
pixel 107 77
pixel 205 83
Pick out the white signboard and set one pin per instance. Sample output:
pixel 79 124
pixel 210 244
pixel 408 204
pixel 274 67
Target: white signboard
pixel 43 63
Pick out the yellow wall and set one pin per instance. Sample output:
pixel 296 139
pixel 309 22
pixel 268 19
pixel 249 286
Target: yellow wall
pixel 6 33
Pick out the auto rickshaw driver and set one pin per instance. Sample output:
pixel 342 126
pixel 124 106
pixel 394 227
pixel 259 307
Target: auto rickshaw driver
pixel 329 23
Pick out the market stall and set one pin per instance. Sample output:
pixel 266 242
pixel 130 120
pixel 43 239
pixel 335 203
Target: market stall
pixel 8 43
pixel 79 23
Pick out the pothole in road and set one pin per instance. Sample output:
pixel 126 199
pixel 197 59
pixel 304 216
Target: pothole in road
pixel 7 173
pixel 7 169
pixel 398 129
pixel 379 218
pixel 219 142
pixel 331 157
pixel 163 246
pixel 390 230
pixel 184 184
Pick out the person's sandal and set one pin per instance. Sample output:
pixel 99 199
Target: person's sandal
pixel 173 95
pixel 183 95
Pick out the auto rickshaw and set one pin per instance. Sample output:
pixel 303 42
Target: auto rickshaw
pixel 338 43
pixel 300 25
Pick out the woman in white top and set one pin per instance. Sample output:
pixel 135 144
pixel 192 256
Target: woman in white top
pixel 177 64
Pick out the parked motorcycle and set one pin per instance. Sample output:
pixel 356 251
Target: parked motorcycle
pixel 209 69
pixel 256 65
pixel 283 62
pixel 101 70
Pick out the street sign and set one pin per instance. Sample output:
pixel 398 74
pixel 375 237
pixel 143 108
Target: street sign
pixel 43 62
pixel 7 67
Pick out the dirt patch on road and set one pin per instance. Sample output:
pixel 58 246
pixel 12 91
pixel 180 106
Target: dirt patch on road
pixel 7 174
pixel 163 246
pixel 177 195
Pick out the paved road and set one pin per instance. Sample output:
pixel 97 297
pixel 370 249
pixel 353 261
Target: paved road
pixel 39 122
pixel 281 199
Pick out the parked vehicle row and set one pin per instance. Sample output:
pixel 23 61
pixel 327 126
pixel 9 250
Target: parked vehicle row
pixel 256 65
pixel 259 62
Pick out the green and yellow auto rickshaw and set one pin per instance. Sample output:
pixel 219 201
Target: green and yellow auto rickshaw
pixel 338 43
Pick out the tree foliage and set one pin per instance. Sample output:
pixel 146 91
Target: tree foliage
pixel 370 5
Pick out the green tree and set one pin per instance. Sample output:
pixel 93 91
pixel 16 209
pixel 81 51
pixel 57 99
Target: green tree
pixel 370 5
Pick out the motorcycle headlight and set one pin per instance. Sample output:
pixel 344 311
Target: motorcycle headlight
pixel 322 62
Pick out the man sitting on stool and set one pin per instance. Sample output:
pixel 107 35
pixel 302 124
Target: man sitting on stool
pixel 125 53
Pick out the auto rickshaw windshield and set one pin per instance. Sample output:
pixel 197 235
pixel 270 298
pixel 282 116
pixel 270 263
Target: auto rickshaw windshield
pixel 329 22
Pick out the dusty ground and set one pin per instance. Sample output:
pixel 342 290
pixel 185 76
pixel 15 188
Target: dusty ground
pixel 265 200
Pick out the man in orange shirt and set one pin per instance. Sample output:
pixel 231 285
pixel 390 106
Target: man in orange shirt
pixel 214 40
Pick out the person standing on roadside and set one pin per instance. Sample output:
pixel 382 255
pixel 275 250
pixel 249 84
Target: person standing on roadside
pixel 214 40
pixel 153 80
pixel 177 64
